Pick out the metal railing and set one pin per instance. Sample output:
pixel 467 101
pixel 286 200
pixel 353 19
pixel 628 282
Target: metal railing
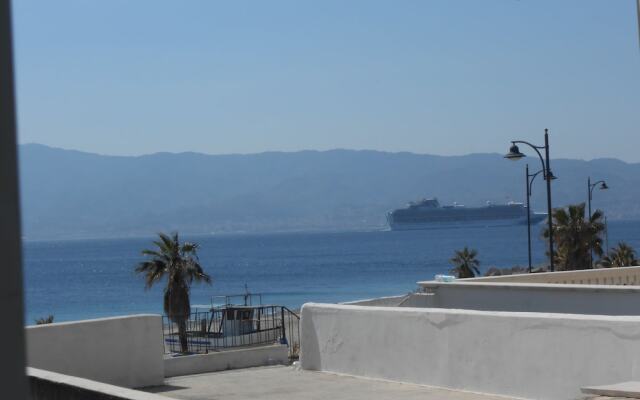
pixel 231 327
pixel 291 323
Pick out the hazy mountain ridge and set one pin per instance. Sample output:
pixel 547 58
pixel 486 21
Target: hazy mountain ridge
pixel 67 193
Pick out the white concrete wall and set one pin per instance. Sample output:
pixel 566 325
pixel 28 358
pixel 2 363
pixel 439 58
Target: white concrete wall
pixel 228 359
pixel 542 356
pixel 124 351
pixel 520 297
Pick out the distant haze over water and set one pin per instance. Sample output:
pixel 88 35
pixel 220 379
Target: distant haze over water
pixel 71 194
pixel 78 279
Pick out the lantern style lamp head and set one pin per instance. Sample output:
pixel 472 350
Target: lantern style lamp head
pixel 514 153
pixel 603 186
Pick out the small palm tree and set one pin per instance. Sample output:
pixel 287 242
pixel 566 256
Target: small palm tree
pixel 465 263
pixel 576 236
pixel 179 263
pixel 621 256
pixel 44 320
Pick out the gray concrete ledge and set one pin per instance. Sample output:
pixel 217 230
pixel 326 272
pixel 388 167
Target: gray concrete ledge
pixel 624 389
pixel 47 385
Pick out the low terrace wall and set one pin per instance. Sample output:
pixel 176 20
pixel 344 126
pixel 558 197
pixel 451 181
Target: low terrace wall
pixel 530 355
pixel 224 360
pixel 530 297
pixel 124 351
pixel 598 276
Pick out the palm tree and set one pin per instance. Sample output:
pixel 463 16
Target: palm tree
pixel 621 256
pixel 465 263
pixel 179 263
pixel 576 237
pixel 45 320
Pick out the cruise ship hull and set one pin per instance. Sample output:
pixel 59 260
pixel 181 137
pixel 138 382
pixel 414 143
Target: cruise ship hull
pixel 407 226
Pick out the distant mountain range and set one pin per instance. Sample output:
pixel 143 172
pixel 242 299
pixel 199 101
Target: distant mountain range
pixel 72 194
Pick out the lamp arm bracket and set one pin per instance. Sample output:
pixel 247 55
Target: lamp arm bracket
pixel 536 148
pixel 593 186
pixel 533 176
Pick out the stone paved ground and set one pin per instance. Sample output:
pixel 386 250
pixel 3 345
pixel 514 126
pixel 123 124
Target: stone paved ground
pixel 285 383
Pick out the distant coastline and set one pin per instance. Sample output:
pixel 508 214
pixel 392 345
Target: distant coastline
pixel 71 194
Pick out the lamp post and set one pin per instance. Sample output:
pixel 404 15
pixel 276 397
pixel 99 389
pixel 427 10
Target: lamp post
pixel 590 187
pixel 530 178
pixel 515 154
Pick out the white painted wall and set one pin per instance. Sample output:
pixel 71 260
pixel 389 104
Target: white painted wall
pixel 530 355
pixel 531 297
pixel 124 351
pixel 228 359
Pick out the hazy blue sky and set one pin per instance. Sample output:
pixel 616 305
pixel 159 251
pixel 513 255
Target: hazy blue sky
pixel 440 77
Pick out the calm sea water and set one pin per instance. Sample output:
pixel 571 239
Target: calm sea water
pixel 95 278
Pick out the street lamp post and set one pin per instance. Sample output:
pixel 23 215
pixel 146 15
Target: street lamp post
pixel 515 154
pixel 530 178
pixel 590 187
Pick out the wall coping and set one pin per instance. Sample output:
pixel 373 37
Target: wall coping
pixel 84 321
pixel 455 311
pixel 543 286
pixel 90 385
pixel 580 273
pixel 398 297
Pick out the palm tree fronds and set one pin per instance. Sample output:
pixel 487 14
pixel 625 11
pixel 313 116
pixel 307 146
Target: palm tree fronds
pixel 180 265
pixel 465 263
pixel 622 255
pixel 576 236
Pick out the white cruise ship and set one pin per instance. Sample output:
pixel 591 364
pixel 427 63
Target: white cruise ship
pixel 428 213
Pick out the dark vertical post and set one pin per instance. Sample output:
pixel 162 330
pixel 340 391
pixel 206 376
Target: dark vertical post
pixel 606 234
pixel 284 334
pixel 528 216
pixel 12 364
pixel 549 209
pixel 589 194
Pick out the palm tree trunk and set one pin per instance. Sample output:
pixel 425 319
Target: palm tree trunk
pixel 182 334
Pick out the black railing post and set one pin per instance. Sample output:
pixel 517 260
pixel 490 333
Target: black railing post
pixel 284 334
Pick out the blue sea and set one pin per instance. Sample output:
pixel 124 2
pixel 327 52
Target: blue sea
pixel 94 278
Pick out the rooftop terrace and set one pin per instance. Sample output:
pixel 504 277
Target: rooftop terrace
pixel 528 336
pixel 286 382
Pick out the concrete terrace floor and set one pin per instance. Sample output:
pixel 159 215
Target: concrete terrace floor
pixel 286 382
